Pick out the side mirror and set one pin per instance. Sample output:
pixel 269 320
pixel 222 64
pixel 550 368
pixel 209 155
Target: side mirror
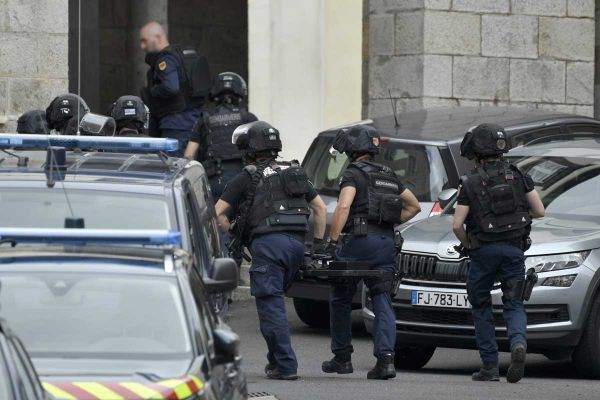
pixel 224 276
pixel 446 196
pixel 226 346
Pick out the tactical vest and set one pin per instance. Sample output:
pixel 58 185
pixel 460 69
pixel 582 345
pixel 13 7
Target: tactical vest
pixel 499 210
pixel 220 125
pixel 384 204
pixel 280 200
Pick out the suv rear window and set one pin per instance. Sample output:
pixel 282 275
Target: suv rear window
pixel 420 167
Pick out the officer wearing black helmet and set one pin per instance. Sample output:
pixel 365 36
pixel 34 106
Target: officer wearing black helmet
pixel 65 113
pixel 496 202
pixel 221 159
pixel 273 199
pixel 372 201
pixel 131 116
pixel 33 122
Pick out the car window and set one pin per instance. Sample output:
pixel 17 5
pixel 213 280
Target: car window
pixel 43 208
pixel 194 231
pixel 419 167
pixel 538 135
pixel 99 315
pixel 25 382
pixel 204 309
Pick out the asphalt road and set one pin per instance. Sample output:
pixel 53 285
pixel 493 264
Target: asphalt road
pixel 446 376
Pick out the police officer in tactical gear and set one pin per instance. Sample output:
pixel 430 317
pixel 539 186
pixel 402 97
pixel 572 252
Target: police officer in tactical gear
pixel 65 113
pixel 274 199
pixel 372 201
pixel 221 159
pixel 131 116
pixel 496 202
pixel 168 91
pixel 33 122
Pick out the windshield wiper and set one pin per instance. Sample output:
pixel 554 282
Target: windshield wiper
pixel 12 241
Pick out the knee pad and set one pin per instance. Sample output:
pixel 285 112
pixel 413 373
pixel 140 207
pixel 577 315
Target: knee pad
pixel 512 289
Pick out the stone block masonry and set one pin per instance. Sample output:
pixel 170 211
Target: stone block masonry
pixel 33 55
pixel 525 53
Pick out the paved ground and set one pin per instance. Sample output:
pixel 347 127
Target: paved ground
pixel 447 376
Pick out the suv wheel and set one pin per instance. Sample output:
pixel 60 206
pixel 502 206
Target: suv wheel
pixel 412 357
pixel 587 354
pixel 313 313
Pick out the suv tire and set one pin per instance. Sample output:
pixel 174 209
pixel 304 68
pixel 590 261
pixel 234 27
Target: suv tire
pixel 412 357
pixel 313 313
pixel 586 355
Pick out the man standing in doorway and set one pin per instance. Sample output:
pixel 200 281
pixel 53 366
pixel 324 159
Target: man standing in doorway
pixel 168 93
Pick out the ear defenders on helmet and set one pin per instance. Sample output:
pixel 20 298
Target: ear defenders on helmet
pixel 466 146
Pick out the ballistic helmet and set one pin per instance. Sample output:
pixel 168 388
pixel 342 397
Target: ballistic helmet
pixel 255 137
pixel 33 122
pixel 64 108
pixel 129 112
pixel 358 139
pixel 484 140
pixel 228 83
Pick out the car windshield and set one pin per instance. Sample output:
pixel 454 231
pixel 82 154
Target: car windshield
pixel 567 185
pixel 94 315
pixel 45 208
pixel 419 167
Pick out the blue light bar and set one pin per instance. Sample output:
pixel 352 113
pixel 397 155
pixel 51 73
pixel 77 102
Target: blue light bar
pixel 150 237
pixel 119 144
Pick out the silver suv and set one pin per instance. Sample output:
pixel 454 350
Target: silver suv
pixel 563 313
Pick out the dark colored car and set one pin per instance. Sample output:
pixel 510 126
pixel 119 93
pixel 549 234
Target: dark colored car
pixel 114 191
pixel 105 320
pixel 18 379
pixel 424 151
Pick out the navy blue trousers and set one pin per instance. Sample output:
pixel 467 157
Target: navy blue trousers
pixel 506 262
pixel 379 252
pixel 275 260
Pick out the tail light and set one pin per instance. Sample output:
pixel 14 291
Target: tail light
pixel 436 210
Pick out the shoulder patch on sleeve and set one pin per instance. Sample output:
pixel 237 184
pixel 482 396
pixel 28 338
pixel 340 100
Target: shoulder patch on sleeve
pixel 162 65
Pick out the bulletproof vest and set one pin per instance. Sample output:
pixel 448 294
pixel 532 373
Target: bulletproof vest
pixel 194 74
pixel 279 203
pixel 159 107
pixel 220 125
pixel 499 210
pixel 384 204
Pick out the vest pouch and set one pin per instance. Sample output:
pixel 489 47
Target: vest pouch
pixel 502 199
pixel 391 208
pixel 295 181
pixel 287 219
pixel 505 223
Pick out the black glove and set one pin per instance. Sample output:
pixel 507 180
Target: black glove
pixel 330 248
pixel 461 250
pixel 319 246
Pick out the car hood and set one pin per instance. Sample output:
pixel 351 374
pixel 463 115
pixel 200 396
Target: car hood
pixel 83 379
pixel 124 388
pixel 550 235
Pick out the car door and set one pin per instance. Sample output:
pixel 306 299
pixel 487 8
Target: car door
pixel 225 378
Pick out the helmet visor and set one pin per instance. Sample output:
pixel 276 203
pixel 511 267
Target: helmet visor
pixel 95 124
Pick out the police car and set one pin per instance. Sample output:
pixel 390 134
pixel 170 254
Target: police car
pixel 119 314
pixel 18 379
pixel 130 184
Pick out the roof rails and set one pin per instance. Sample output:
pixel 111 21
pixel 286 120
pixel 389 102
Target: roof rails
pixel 111 143
pixel 145 237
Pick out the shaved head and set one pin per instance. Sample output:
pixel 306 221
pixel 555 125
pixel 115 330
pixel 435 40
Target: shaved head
pixel 153 37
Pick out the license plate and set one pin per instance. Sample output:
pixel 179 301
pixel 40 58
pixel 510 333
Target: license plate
pixel 439 299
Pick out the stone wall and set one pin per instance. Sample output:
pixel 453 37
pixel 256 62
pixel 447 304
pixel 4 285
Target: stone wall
pixel 33 55
pixel 447 53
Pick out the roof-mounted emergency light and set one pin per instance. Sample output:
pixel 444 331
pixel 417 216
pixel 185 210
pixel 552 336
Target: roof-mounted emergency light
pixel 119 144
pixel 150 237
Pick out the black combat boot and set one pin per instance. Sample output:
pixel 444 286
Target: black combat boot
pixel 517 363
pixel 340 364
pixel 384 369
pixel 270 367
pixel 282 376
pixel 487 373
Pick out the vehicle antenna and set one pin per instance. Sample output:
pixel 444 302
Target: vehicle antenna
pixel 394 109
